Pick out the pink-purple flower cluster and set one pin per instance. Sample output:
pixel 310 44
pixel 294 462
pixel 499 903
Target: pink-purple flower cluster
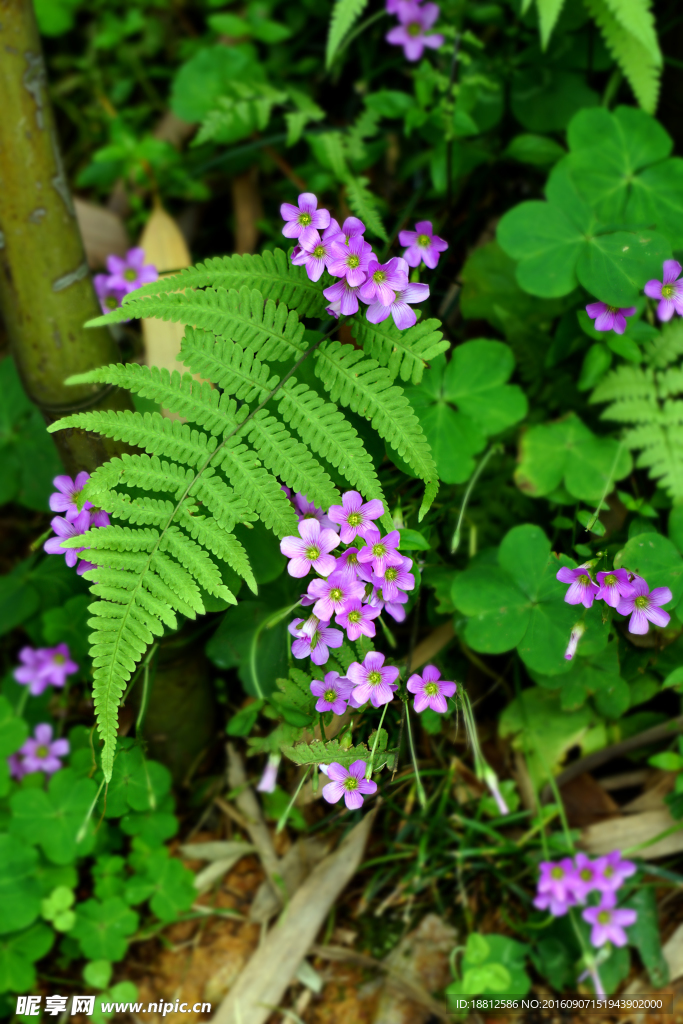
pixel 622 590
pixel 353 587
pixel 343 251
pixel 125 274
pixel 415 19
pixel 668 292
pixel 569 882
pixel 40 753
pixel 44 666
pixel 349 783
pixel 75 522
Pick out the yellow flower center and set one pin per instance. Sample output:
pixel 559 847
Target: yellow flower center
pixel 330 696
pixel 353 262
pixel 304 219
pixel 610 580
pixel 604 917
pixel 319 252
pixel 111 302
pixel 668 290
pixel 355 616
pixel 374 678
pixel 355 519
pixel 313 553
pixel 336 594
pixel 379 550
pixel 557 872
pixel 58 659
pixel 379 276
pixel 423 241
pixel 391 574
pixel 586 875
pixel 130 275
pixel 431 689
pixel 351 783
pixel 42 752
pixel 642 601
pixel 415 28
pixel 584 580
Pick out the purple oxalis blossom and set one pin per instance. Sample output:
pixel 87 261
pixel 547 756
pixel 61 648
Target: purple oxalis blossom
pixel 129 272
pixel 357 618
pixel 110 298
pixel 609 318
pixel 372 680
pixel 557 879
pixel 343 298
pixel 348 562
pixel 68 490
pixel 577 632
pixel 44 666
pixel 65 530
pixel 350 260
pixel 430 690
pixel 384 281
pixel 333 693
pixel 644 606
pixel 314 254
pixel 582 590
pixel 305 215
pixel 400 310
pixel 305 509
pixel 16 767
pixel 381 553
pixel 314 644
pixel 558 908
pixel 268 780
pixel 612 871
pixel 586 877
pixel 356 518
pixel 669 291
pixel 349 783
pixel 311 549
pixel 396 578
pixel 608 922
pixel 614 586
pixel 40 753
pixel 351 228
pixel 413 32
pixel 334 593
pixel 423 245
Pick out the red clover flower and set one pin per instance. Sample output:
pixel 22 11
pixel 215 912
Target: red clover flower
pixel 356 518
pixel 311 549
pixel 582 590
pixel 384 281
pixel 614 586
pixel 334 593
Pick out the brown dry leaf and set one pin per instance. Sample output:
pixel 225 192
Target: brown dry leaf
pixel 633 829
pixel 422 959
pixel 673 953
pixel 264 981
pixel 166 248
pixel 103 232
pixel 658 785
pixel 586 802
pixel 296 864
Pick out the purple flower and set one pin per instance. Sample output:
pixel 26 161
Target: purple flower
pixel 614 586
pixel 357 618
pixel 608 922
pixel 349 783
pixel 351 228
pixel 314 254
pixel 558 908
pixel 582 590
pixel 430 690
pixel 557 880
pixel 43 667
pixel 411 34
pixel 110 297
pixel 98 517
pixel 381 553
pixel 84 567
pixel 39 754
pixel 577 632
pixel 305 215
pixel 423 245
pixel 586 878
pixel 348 563
pixel 643 605
pixel 356 518
pixel 350 259
pixel 609 318
pixel 311 549
pixel 403 315
pixel 305 509
pixel 64 499
pixel 343 298
pixel 268 780
pixel 396 578
pixel 372 681
pixel 394 608
pixel 384 281
pixel 130 273
pixel 315 645
pixel 332 694
pixel 333 594
pixel 611 871
pixel 16 768
pixel 669 291
pixel 64 530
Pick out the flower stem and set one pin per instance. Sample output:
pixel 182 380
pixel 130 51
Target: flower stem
pixel 283 819
pixel 418 781
pixel 493 450
pixel 368 770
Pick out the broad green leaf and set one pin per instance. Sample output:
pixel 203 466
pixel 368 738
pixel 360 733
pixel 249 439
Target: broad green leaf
pixel 13 730
pixel 657 560
pixel 170 886
pixel 102 928
pixel 537 150
pixel 19 888
pixel 135 783
pixel 200 81
pixel 54 818
pixel 547 245
pixel 476 381
pixel 18 953
pixel 454 440
pixel 498 612
pixel 524 553
pixel 615 266
pixel 656 198
pixel 645 935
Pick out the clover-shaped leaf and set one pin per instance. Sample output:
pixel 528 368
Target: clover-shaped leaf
pixel 475 380
pixel 136 784
pixel 596 675
pixel 55 818
pixel 518 603
pixel 18 953
pixel 568 452
pixel 166 883
pixel 19 888
pixel 102 928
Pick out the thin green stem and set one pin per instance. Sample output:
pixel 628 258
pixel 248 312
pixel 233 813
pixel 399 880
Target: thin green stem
pixel 608 486
pixel 422 796
pixel 283 819
pixel 493 450
pixel 368 770
pixel 21 703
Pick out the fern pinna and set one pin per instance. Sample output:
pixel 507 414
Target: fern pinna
pixel 247 430
pixel 648 400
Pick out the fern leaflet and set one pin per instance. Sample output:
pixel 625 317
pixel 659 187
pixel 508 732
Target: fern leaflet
pixel 634 57
pixel 344 15
pixel 404 353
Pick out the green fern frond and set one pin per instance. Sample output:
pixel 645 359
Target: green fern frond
pixel 325 430
pixel 368 389
pixel 197 562
pixel 271 329
pixel 548 13
pixel 344 16
pixel 641 70
pixel 291 460
pixel 404 353
pixel 223 544
pixel 626 382
pixel 365 205
pixel 663 350
pixel 236 371
pixel 260 488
